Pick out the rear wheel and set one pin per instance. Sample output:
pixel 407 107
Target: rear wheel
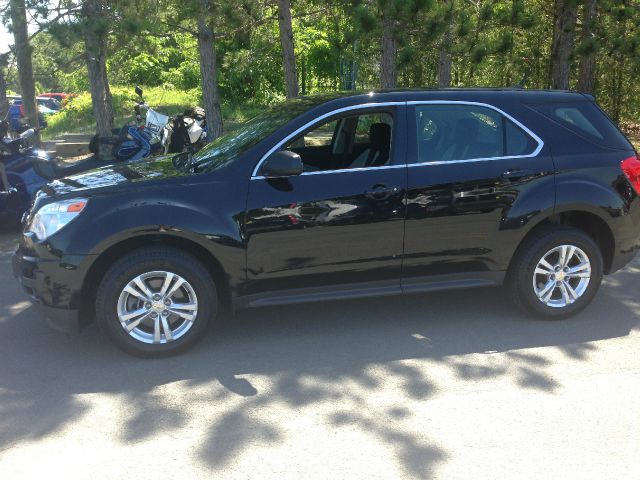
pixel 555 273
pixel 156 302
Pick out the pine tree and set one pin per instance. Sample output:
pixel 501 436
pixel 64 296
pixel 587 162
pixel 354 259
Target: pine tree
pixel 588 47
pixel 18 12
pixel 562 44
pixel 95 38
pixel 209 69
pixel 288 53
pixel 4 102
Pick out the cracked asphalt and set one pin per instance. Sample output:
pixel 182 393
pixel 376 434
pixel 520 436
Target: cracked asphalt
pixel 449 385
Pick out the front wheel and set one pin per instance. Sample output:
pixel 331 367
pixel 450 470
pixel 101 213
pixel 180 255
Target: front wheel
pixel 555 273
pixel 156 302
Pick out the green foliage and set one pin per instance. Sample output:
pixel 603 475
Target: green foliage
pixel 78 114
pixel 492 43
pixel 478 53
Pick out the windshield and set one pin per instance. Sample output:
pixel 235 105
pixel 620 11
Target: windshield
pixel 227 148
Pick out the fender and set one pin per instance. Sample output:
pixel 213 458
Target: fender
pixel 591 193
pixel 219 235
pixel 178 211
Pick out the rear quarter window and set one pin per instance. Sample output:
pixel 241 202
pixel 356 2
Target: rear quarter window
pixel 586 120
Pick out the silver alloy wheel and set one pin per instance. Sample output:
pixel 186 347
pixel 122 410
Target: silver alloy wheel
pixel 562 276
pixel 157 307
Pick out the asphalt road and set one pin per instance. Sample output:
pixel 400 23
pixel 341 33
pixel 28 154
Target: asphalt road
pixel 455 386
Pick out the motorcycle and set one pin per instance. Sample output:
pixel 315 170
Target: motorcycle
pixel 137 139
pixel 186 132
pixel 156 133
pixel 24 169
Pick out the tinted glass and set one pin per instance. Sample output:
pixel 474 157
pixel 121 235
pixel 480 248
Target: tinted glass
pixel 517 141
pixel 585 119
pixel 458 132
pixel 229 147
pixel 318 137
pixel 350 141
pixel 363 127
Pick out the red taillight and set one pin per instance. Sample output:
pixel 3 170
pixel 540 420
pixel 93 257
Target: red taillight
pixel 21 110
pixel 631 168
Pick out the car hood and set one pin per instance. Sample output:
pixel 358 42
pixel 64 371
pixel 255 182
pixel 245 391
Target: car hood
pixel 121 175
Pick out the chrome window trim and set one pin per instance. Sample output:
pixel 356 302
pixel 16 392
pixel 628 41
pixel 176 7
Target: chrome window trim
pixel 341 170
pixel 491 107
pixel 317 120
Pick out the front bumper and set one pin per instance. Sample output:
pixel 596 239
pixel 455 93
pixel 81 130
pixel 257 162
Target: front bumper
pixel 53 286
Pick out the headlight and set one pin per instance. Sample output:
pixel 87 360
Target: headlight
pixel 52 217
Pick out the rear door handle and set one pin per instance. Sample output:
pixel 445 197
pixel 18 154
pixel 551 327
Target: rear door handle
pixel 381 192
pixel 514 173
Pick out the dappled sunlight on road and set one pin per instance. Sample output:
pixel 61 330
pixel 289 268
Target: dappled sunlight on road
pixel 412 387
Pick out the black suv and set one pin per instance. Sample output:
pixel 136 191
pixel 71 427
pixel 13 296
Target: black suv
pixel 341 197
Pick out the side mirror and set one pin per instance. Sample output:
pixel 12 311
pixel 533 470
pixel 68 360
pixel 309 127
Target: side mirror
pixel 284 163
pixel 138 91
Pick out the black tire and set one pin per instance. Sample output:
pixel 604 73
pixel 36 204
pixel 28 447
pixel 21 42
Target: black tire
pixel 151 259
pixel 520 278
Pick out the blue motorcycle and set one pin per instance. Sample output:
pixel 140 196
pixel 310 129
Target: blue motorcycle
pixel 140 138
pixel 153 133
pixel 24 169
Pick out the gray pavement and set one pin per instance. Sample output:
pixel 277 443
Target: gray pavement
pixel 452 385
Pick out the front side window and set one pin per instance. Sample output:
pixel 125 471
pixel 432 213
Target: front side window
pixel 227 148
pixel 318 137
pixel 352 141
pixel 448 133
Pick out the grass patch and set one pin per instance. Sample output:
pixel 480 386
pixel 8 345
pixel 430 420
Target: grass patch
pixel 77 116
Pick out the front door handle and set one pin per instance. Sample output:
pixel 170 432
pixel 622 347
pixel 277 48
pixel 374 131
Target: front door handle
pixel 515 173
pixel 381 192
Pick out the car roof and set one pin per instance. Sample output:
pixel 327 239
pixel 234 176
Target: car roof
pixel 451 94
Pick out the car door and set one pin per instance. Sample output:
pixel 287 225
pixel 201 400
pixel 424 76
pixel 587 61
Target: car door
pixel 476 176
pixel 334 230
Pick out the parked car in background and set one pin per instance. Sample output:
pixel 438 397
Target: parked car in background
pixel 63 98
pixel 342 197
pixel 49 102
pixel 17 119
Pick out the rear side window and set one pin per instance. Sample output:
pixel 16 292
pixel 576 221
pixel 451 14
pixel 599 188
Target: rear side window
pixel 451 132
pixel 584 119
pixel 517 142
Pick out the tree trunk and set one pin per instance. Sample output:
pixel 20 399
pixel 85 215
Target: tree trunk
pixel 95 41
pixel 303 74
pixel 587 74
pixel 288 52
pixel 620 58
pixel 209 71
pixel 562 44
pixel 389 50
pixel 444 61
pixel 25 67
pixel 4 103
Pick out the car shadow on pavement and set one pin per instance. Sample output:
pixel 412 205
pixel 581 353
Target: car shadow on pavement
pixel 334 357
